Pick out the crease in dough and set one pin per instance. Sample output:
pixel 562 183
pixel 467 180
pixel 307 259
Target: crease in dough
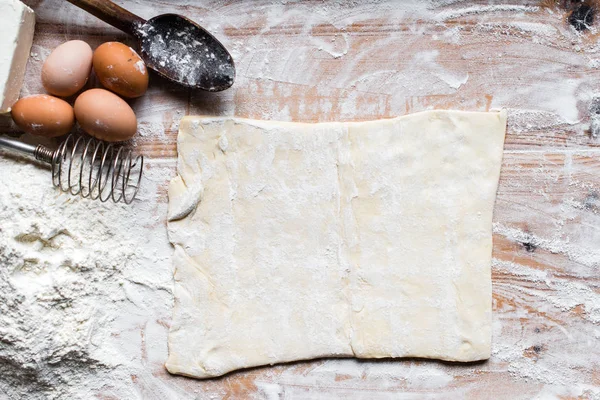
pixel 297 241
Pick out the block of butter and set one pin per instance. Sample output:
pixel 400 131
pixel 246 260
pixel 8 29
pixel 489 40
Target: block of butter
pixel 17 23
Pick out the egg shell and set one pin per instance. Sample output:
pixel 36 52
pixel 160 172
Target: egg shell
pixel 67 68
pixel 105 115
pixel 43 115
pixel 120 69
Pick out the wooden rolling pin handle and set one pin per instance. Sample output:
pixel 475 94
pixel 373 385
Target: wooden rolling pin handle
pixel 112 14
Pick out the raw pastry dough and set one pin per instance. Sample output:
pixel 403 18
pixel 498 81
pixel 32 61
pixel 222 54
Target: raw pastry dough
pixel 295 241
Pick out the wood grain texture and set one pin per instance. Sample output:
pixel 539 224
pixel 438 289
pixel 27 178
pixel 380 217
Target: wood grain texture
pixel 111 13
pixel 325 61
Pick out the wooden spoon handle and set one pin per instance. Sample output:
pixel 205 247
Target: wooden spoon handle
pixel 112 14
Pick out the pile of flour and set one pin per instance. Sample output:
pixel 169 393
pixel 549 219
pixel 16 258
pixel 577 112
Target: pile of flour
pixel 85 287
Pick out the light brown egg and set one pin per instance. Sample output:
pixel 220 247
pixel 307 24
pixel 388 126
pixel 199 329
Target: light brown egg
pixel 105 115
pixel 67 68
pixel 120 69
pixel 43 115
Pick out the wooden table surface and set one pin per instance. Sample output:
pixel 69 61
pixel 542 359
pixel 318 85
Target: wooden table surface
pixel 342 61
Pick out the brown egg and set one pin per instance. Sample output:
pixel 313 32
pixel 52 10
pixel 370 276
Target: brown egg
pixel 67 68
pixel 105 115
pixel 43 115
pixel 120 69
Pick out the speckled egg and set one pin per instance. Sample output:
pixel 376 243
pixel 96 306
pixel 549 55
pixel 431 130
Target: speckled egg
pixel 105 115
pixel 120 69
pixel 67 68
pixel 43 115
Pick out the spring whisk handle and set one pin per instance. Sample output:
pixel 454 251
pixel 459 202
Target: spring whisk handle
pixel 17 145
pixel 40 152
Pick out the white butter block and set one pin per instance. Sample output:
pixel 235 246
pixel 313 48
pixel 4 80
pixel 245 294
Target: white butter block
pixel 17 22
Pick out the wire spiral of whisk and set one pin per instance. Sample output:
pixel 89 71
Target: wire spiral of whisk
pixel 94 169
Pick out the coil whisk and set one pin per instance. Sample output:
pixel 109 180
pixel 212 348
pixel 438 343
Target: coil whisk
pixel 90 168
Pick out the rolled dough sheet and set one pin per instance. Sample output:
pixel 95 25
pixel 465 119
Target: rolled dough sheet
pixel 367 239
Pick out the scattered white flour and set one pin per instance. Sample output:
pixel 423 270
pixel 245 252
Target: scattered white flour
pixel 186 53
pixel 428 61
pixel 558 353
pixel 140 66
pixel 585 256
pixel 480 9
pixel 85 287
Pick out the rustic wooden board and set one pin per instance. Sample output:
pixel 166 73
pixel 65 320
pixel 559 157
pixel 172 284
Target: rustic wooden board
pixel 325 61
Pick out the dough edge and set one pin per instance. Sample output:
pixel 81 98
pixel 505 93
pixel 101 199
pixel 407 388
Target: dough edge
pixel 184 199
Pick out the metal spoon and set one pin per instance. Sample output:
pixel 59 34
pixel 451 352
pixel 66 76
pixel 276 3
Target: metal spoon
pixel 172 45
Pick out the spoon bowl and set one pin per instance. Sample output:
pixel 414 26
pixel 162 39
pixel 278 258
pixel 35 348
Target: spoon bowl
pixel 184 52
